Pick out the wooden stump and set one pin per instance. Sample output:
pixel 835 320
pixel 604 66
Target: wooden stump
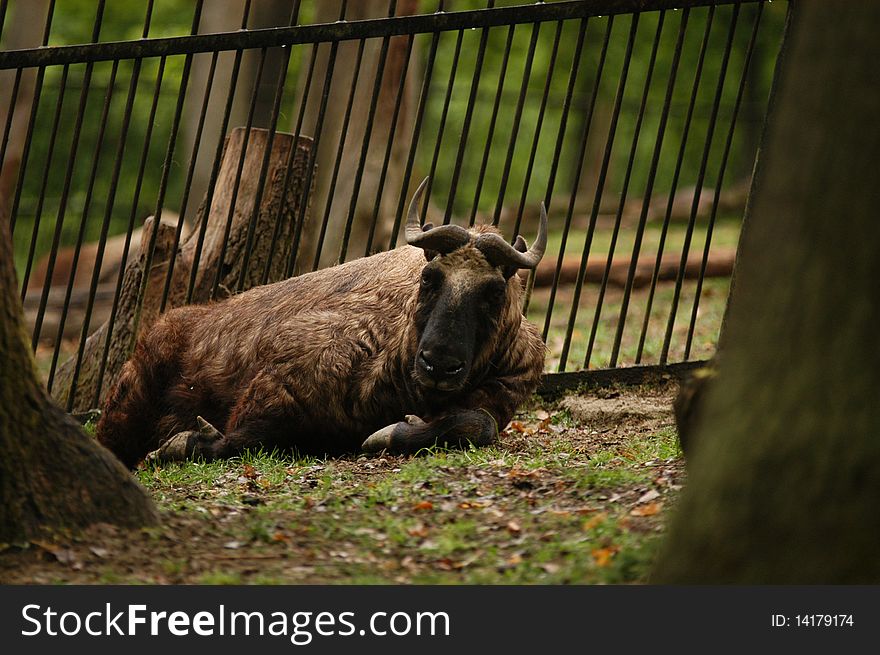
pixel 260 241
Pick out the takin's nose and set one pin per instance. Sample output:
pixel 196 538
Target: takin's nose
pixel 439 366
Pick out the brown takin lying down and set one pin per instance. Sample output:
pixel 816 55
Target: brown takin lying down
pixel 422 345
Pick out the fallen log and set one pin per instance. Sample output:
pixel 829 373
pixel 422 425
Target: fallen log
pixel 719 264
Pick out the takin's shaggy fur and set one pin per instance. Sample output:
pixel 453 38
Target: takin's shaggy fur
pixel 319 362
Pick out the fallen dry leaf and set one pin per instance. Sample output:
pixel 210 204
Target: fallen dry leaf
pixel 603 556
pixel 592 522
pixel 423 506
pixel 648 496
pixel 650 509
pixel 514 559
pixel 250 472
pixel 418 530
pixel 513 527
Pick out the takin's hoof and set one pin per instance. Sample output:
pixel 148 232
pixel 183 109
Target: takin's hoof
pixel 186 445
pixel 177 449
pixel 381 439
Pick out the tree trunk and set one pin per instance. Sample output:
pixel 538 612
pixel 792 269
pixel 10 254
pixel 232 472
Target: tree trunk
pixel 225 16
pixel 275 219
pixel 91 374
pixel 339 191
pixel 24 30
pixel 260 242
pixel 52 476
pixel 785 473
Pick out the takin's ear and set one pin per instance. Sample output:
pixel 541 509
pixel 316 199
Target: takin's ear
pixel 429 254
pixel 521 246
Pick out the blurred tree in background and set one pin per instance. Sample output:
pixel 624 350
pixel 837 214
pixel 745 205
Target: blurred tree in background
pixel 58 150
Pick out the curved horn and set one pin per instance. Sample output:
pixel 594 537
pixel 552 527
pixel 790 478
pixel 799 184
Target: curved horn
pixel 443 239
pixel 501 253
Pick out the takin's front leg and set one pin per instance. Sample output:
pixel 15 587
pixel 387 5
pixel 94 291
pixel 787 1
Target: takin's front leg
pixel 189 444
pixel 479 416
pixel 457 429
pixel 261 418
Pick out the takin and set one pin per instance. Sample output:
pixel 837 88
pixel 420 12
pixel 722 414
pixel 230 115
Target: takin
pixel 422 345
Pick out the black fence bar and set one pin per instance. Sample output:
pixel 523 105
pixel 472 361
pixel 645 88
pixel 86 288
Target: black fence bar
pixel 297 233
pixel 80 237
pixel 416 133
pixel 554 384
pixel 236 185
pixel 600 189
pixel 710 132
pixel 68 178
pixel 536 137
pixel 704 46
pixel 649 187
pixel 142 165
pixel 517 119
pixel 389 144
pixel 554 165
pixel 623 194
pixel 38 215
pixel 264 164
pixel 468 116
pixel 318 132
pixel 215 169
pixel 438 141
pixel 720 181
pixel 4 5
pixel 7 128
pixel 184 201
pixel 365 145
pixel 575 179
pixel 276 233
pixel 340 31
pixel 502 77
pixel 38 88
pixel 105 225
pixel 166 170
pixel 340 150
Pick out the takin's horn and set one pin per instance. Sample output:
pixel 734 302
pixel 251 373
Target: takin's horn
pixel 443 239
pixel 501 253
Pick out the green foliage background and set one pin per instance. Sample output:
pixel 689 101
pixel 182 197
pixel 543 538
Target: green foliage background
pixel 53 158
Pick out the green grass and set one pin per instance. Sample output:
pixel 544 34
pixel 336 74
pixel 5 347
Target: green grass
pixel 537 513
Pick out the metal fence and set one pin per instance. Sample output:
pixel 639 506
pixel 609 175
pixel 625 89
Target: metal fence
pixel 635 121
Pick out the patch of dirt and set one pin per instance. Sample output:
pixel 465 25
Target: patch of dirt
pixel 574 492
pixel 617 410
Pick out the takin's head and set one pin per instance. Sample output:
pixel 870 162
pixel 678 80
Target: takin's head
pixel 465 294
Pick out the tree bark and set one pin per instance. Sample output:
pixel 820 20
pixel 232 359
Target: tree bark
pixel 52 476
pixel 225 16
pixel 123 334
pixel 339 193
pixel 261 242
pixel 24 30
pixel 275 219
pixel 786 463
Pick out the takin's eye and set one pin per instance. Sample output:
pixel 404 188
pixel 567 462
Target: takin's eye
pixel 431 279
pixel 492 295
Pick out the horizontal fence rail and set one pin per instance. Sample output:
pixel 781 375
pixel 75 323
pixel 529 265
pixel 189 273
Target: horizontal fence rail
pixel 342 31
pixel 273 143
